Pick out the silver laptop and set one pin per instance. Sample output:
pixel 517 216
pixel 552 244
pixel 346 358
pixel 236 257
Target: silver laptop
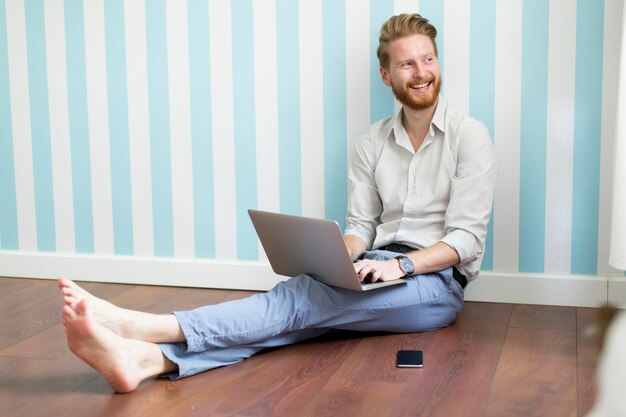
pixel 301 245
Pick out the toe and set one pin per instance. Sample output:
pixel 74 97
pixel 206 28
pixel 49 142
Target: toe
pixel 68 314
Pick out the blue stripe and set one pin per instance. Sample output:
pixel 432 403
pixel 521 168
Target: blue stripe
pixel 79 130
pixel 533 135
pixel 587 136
pixel 8 204
pixel 381 104
pixel 158 96
pixel 245 126
pixel 433 11
pixel 40 124
pixel 335 128
pixel 288 72
pixel 201 128
pixel 118 127
pixel 482 81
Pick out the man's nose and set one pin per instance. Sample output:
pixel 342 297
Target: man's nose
pixel 418 71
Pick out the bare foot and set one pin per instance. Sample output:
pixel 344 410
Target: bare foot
pixel 123 363
pixel 109 315
pixel 127 323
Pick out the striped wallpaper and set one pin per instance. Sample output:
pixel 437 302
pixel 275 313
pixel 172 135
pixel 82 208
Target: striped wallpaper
pixel 148 127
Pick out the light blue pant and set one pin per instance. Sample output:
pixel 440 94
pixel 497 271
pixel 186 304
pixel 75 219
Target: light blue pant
pixel 302 308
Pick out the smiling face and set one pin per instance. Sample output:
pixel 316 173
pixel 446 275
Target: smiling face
pixel 413 74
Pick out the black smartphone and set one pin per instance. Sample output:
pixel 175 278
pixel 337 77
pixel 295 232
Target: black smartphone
pixel 410 359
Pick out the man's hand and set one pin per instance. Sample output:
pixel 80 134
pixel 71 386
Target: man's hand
pixel 375 271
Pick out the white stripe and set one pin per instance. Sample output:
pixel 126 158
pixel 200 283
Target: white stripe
pixel 223 123
pixel 456 53
pixel 139 127
pixel 613 26
pixel 507 135
pixel 357 71
pixel 22 136
pixel 312 108
pixel 180 127
pixel 59 125
pixel 560 132
pixel 98 120
pixel 405 6
pixel 266 107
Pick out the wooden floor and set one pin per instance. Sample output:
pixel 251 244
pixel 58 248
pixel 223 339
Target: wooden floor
pixel 496 360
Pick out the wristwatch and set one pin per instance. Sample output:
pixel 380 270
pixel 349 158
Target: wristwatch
pixel 406 265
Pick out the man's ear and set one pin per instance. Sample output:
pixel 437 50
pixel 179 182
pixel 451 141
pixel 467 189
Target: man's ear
pixel 385 76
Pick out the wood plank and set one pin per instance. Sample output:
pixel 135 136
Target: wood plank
pixel 536 375
pixel 19 300
pixel 544 317
pixel 8 285
pixel 587 382
pixel 343 397
pixel 13 367
pixel 291 377
pixel 588 329
pixel 459 364
pixel 47 344
pixel 374 358
pixel 31 393
pixel 34 320
pixel 590 323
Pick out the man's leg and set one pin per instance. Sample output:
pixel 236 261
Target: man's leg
pixel 425 302
pixel 301 308
pixel 124 363
pixel 131 324
pixel 295 310
pixel 191 363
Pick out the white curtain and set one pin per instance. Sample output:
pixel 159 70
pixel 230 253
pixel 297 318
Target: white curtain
pixel 617 257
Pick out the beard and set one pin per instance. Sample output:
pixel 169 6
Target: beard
pixel 424 101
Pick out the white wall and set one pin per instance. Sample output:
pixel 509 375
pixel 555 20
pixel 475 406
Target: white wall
pixel 134 134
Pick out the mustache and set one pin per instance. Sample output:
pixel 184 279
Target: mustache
pixel 420 81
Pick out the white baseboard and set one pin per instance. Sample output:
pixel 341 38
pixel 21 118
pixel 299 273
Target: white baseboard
pixel 527 288
pixel 237 275
pixel 522 288
pixel 617 292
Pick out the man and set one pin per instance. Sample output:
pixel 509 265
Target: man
pixel 421 189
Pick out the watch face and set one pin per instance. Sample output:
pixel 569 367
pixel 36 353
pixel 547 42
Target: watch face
pixel 406 264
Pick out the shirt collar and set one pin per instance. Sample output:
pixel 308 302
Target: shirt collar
pixel 397 128
pixel 399 132
pixel 439 119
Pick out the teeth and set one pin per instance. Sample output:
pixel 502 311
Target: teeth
pixel 420 85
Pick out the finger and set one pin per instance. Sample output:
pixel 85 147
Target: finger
pixel 365 271
pixel 362 263
pixel 377 276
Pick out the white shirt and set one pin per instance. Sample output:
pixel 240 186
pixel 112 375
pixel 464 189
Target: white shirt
pixel 443 192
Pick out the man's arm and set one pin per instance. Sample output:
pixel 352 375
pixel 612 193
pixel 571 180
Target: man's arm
pixel 355 246
pixel 471 196
pixel 434 258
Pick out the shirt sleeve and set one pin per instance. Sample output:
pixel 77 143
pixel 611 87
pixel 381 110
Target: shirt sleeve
pixel 364 204
pixel 472 190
